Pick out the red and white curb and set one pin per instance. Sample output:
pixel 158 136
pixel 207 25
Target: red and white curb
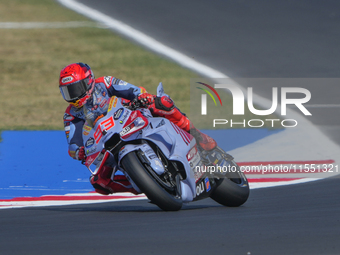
pixel 277 173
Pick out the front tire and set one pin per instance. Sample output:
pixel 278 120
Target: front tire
pixel 148 185
pixel 234 189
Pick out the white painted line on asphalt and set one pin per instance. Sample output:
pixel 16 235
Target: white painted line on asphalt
pixel 14 204
pixel 143 39
pixel 259 185
pixel 37 25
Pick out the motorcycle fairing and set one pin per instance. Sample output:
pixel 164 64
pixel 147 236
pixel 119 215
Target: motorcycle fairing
pixel 160 131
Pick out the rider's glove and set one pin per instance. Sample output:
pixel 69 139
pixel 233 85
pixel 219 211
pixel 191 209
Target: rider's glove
pixel 145 99
pixel 80 153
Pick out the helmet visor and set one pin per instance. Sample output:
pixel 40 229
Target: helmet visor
pixel 75 91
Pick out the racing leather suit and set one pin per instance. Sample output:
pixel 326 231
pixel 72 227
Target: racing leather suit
pixel 105 88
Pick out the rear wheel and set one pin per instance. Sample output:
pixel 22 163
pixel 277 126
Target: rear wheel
pixel 160 192
pixel 234 188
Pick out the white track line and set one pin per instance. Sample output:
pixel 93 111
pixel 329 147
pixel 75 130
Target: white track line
pixel 143 39
pixel 35 25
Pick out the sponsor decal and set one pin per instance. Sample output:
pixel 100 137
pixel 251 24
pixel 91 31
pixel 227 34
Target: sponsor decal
pixel 133 116
pixel 90 151
pixel 103 103
pixel 90 159
pixel 193 151
pixel 118 113
pixel 207 184
pixel 124 117
pixel 194 157
pixel 67 79
pixel 115 102
pixel 161 123
pixel 86 130
pixel 111 103
pixel 89 142
pixel 199 188
pixel 125 131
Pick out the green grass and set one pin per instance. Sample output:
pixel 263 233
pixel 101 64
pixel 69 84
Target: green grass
pixel 31 60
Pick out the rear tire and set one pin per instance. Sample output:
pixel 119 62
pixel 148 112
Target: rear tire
pixel 234 189
pixel 148 185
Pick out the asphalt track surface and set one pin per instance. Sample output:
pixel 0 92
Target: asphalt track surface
pixel 241 39
pixel 302 219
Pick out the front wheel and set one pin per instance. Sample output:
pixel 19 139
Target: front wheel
pixel 233 190
pixel 148 185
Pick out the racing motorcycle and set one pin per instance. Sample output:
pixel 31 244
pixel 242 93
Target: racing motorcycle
pixel 160 159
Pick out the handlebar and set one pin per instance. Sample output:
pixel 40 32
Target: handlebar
pixel 135 104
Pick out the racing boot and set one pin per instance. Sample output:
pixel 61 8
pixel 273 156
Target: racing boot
pixel 205 141
pixel 104 185
pixel 165 107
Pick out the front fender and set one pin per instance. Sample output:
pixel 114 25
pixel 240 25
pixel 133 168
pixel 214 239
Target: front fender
pixel 187 185
pixel 154 161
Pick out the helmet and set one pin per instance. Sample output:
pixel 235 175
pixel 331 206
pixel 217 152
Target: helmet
pixel 76 83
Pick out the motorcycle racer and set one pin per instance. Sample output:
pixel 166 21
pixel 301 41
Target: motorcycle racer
pixel 88 98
